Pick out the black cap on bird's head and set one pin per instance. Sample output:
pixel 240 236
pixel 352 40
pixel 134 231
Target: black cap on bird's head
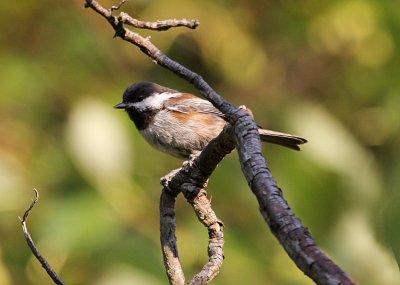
pixel 140 91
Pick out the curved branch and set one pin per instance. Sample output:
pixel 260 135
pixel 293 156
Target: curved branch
pixel 291 233
pixel 191 180
pixel 50 271
pixel 202 206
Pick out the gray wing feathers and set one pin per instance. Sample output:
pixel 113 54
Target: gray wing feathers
pixel 196 105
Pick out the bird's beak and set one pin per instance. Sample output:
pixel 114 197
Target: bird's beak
pixel 121 106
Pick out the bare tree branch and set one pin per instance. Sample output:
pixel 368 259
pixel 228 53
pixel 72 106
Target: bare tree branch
pixel 168 239
pixel 291 233
pixel 117 7
pixel 192 179
pixel 158 25
pixel 50 271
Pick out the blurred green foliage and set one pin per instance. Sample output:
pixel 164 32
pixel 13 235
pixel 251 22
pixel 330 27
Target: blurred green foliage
pixel 326 70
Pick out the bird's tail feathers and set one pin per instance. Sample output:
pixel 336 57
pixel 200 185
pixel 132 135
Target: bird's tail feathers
pixel 283 139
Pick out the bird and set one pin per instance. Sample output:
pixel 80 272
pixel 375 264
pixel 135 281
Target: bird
pixel 182 124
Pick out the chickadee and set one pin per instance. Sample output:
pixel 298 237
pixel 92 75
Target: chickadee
pixel 182 124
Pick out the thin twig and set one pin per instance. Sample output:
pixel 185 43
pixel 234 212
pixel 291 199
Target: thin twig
pixel 50 271
pixel 158 25
pixel 117 7
pixel 34 200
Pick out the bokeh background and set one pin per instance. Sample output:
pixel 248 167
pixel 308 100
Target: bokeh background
pixel 325 70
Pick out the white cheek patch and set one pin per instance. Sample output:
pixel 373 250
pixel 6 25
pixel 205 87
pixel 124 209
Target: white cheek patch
pixel 156 101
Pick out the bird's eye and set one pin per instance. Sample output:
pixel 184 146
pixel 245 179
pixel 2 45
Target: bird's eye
pixel 140 98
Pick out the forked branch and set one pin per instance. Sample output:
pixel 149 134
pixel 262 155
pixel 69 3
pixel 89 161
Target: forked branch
pixel 191 180
pixel 291 233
